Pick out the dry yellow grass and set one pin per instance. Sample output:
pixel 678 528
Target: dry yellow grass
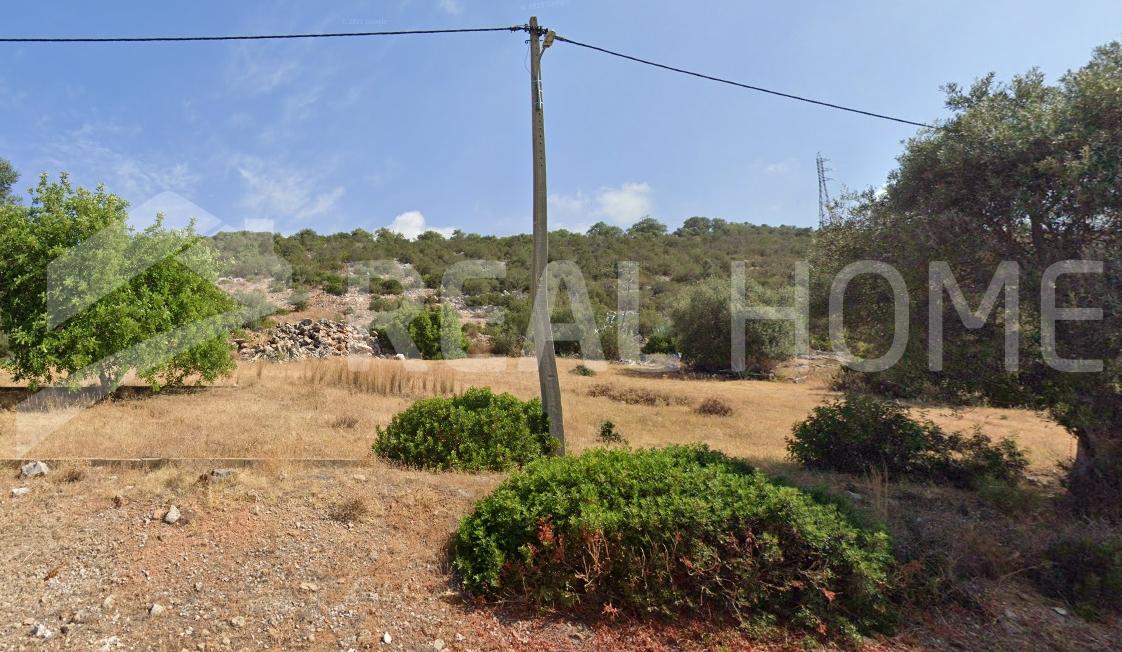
pixel 294 411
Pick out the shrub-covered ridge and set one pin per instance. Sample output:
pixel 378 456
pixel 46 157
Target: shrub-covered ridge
pixel 680 530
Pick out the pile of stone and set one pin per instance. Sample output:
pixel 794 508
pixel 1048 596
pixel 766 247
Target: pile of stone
pixel 309 339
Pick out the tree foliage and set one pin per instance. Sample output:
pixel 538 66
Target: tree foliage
pixel 8 179
pixel 703 330
pixel 86 295
pixel 1025 172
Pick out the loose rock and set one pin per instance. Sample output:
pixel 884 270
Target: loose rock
pixel 311 339
pixel 20 491
pixel 172 516
pixel 217 475
pixel 34 469
pixel 386 638
pixel 156 609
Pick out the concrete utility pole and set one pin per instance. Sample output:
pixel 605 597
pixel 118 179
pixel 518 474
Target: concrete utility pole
pixel 543 334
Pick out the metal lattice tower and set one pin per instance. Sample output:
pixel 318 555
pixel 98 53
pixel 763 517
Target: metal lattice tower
pixel 823 190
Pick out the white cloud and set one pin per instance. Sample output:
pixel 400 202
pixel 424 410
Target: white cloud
pixel 84 152
pixel 452 7
pixel 259 225
pixel 178 212
pixel 575 204
pixel 625 205
pixel 412 224
pixel 281 192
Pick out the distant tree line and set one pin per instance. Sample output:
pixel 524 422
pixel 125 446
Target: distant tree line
pixel 668 262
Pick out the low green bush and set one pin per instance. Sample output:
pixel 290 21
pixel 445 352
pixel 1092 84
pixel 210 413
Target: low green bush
pixel 584 370
pixel 475 431
pixel 379 303
pixel 299 299
pixel 862 433
pixel 676 531
pixel 1085 573
pixel 333 284
pixel 427 327
pixel 660 342
pixel 609 434
pixel 379 285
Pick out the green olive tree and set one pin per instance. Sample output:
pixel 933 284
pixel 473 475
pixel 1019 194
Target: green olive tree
pixel 1027 174
pixel 84 295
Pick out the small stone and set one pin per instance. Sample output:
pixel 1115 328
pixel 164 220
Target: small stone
pixel 108 602
pixel 34 469
pixel 214 476
pixel 459 637
pixel 41 631
pixel 156 609
pixel 237 622
pixel 20 491
pixel 438 644
pixel 1060 610
pixel 854 496
pixel 358 477
pixel 172 515
pixel 386 638
pixel 198 587
pixel 310 587
pixel 80 616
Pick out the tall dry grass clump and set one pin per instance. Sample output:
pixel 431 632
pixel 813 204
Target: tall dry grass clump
pixel 380 377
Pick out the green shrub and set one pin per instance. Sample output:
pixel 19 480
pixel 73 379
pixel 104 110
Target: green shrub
pixel 678 531
pixel 584 370
pixel 299 299
pixel 476 431
pixel 1085 573
pixel 703 325
pixel 382 304
pixel 380 285
pixel 863 433
pixel 256 303
pixel 660 342
pixel 609 434
pixel 333 284
pixel 426 327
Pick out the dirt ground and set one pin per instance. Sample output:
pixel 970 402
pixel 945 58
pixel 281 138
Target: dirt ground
pixel 288 555
pixel 299 557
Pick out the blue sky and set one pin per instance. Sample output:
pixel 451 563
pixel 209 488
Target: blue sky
pixel 433 131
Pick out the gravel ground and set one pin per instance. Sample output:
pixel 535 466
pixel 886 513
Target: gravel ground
pixel 328 559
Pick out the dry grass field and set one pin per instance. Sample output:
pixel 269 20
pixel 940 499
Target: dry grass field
pixel 290 555
pixel 331 409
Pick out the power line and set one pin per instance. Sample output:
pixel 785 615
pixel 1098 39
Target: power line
pixel 746 86
pixel 513 28
pixel 250 37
